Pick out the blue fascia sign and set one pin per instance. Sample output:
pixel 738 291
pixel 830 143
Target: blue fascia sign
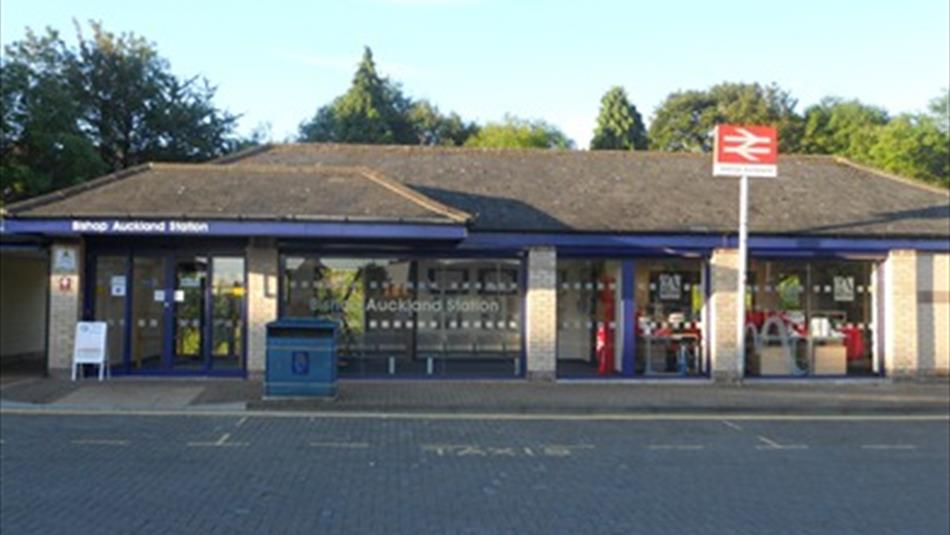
pixel 117 226
pixel 213 227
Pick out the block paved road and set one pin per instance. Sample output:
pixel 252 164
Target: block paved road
pixel 234 473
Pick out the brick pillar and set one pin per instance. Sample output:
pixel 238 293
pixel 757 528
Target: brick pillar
pixel 900 314
pixel 917 313
pixel 65 301
pixel 723 300
pixel 541 312
pixel 933 315
pixel 261 301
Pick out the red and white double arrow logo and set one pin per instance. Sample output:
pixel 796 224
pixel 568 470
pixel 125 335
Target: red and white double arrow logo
pixel 745 150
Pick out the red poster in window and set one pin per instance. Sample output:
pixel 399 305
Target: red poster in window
pixel 745 150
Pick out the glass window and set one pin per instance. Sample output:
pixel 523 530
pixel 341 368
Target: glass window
pixel 809 317
pixel 670 299
pixel 589 337
pixel 451 317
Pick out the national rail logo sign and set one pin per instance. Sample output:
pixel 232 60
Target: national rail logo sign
pixel 745 150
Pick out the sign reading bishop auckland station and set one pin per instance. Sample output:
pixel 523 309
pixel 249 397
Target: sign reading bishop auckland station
pixel 745 151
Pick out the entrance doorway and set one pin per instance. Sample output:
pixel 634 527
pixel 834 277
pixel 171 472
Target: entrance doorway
pixel 171 313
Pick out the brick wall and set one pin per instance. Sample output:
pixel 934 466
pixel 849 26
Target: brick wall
pixel 541 311
pixel 261 301
pixel 723 300
pixel 65 293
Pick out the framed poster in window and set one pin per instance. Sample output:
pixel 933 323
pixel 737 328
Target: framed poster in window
pixel 449 280
pixel 844 289
pixel 498 281
pixel 670 286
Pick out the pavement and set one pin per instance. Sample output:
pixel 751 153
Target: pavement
pixel 484 397
pixel 297 472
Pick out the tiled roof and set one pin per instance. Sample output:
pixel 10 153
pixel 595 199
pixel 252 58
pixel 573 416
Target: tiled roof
pixel 512 191
pixel 246 192
pixel 622 191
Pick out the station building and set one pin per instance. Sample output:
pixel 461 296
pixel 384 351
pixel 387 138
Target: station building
pixel 472 263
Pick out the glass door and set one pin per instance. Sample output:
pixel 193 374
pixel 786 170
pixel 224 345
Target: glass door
pixel 171 313
pixel 110 303
pixel 189 315
pixel 147 329
pixel 227 313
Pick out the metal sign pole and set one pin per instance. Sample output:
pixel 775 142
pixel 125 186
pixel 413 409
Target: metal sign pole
pixel 743 259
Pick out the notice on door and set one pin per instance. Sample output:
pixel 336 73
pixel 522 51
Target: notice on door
pixel 159 296
pixel 117 286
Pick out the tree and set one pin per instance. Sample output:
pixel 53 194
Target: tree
pixel 433 128
pixel 844 127
pixel 685 120
pixel 375 110
pixel 513 132
pixel 71 113
pixel 135 110
pixel 41 144
pixel 912 145
pixel 619 124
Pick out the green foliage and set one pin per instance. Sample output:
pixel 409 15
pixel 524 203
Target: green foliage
pixel 41 144
pixel 433 128
pixel 513 132
pixel 844 127
pixel 71 113
pixel 685 120
pixel 375 110
pixel 135 110
pixel 912 145
pixel 619 124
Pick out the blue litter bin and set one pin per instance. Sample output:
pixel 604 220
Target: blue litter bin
pixel 301 358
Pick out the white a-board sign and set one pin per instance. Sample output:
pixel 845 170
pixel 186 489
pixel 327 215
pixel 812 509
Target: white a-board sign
pixel 90 347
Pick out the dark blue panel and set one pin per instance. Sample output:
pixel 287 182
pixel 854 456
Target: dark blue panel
pixel 629 318
pixel 589 244
pixel 685 244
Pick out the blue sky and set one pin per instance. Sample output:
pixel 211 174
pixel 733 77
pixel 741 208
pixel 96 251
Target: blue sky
pixel 278 61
